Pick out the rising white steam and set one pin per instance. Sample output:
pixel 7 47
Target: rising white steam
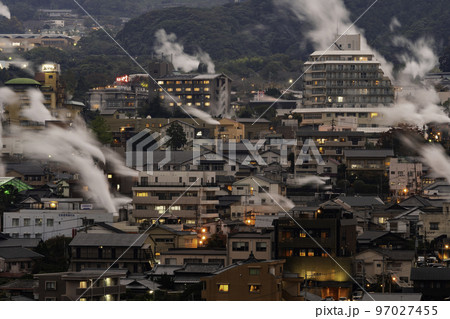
pixel 36 111
pixel 394 24
pixel 4 11
pixel 201 115
pixel 7 96
pixel 311 180
pixel 167 44
pixel 435 157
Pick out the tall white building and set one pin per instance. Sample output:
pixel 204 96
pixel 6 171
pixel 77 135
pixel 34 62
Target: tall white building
pixel 345 86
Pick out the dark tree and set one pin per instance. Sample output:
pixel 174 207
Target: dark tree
pixel 178 136
pixel 101 130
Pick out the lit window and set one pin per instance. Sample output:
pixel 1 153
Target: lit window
pixel 207 104
pixel 160 82
pixel 310 253
pixel 340 99
pixel 178 82
pixel 302 234
pixel 162 97
pixel 142 194
pixel 197 89
pixel 207 96
pixel 178 89
pixel 223 287
pixel 169 90
pixel 206 89
pixel 189 104
pixel 171 104
pixel 254 288
pixel 372 115
pixel 302 253
pixel 189 97
pixel 205 82
pixel 83 284
pixel 188 89
pixel 109 176
pixel 161 209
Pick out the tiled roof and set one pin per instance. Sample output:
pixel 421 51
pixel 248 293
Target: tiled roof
pixel 109 240
pixel 11 253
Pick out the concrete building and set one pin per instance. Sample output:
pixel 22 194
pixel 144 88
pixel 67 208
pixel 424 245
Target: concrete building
pixel 249 280
pixel 239 245
pixel 229 130
pixel 17 261
pixel 405 177
pixel 72 286
pixel 52 217
pixel 206 92
pixel 345 83
pixel 26 42
pixel 196 256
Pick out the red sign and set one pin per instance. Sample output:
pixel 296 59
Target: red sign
pixel 123 79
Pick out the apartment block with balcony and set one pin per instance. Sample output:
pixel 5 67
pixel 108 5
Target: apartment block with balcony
pixel 405 177
pixel 345 82
pixel 377 161
pixel 188 196
pixel 100 251
pixel 86 285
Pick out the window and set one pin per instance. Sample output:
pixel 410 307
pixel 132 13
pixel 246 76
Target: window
pixel 50 285
pixel 38 222
pixel 49 222
pixel 434 226
pixel 192 179
pixel 254 271
pixel 141 194
pixel 27 222
pixel 261 246
pixel 302 253
pixel 254 288
pixel 160 209
pixel 310 252
pixel 223 287
pixel 37 235
pixel 83 284
pixel 15 222
pixel 240 246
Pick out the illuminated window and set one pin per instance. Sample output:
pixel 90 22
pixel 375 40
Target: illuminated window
pixel 188 89
pixel 340 99
pixel 310 252
pixel 207 104
pixel 160 82
pixel 178 82
pixel 110 176
pixel 141 194
pixel 178 207
pixel 377 83
pixel 161 209
pixel 372 115
pixel 83 284
pixel 162 97
pixel 108 282
pixel 197 89
pixel 169 90
pixel 179 104
pixel 189 97
pixel 254 288
pixel 189 104
pixel 207 96
pixel 171 104
pixel 205 82
pixel 302 253
pixel 223 287
pixel 206 89
pixel 363 58
pixel 178 89
pixel 198 104
pixel 302 234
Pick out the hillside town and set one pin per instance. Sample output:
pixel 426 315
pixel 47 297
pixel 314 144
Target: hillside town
pixel 168 185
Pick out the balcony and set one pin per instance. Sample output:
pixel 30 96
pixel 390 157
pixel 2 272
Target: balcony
pixel 100 291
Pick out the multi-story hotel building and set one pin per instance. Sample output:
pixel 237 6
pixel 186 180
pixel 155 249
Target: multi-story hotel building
pixel 345 85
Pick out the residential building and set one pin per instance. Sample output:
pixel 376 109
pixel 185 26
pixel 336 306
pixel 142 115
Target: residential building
pixel 229 130
pixel 433 283
pixel 165 237
pixel 248 280
pixel 433 224
pixel 183 256
pixel 86 285
pixel 17 261
pixel 372 264
pixel 405 177
pixel 380 239
pixel 239 245
pixel 155 196
pixel 100 251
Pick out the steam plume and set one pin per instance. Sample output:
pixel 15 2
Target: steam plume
pixel 4 11
pixel 166 44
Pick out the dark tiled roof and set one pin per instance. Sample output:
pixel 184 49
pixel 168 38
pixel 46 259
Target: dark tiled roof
pixel 249 235
pixel 369 153
pixel 20 285
pixel 430 273
pixel 195 251
pixel 360 201
pixel 109 240
pixel 370 235
pixel 20 242
pixel 11 253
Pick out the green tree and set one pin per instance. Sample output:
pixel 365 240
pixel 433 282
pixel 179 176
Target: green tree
pixel 178 137
pixel 101 130
pixel 57 255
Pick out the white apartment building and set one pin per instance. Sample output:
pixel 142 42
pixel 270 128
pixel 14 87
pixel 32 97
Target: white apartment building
pixel 51 218
pixel 345 84
pixel 405 177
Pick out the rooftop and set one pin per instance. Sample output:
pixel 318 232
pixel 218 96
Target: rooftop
pixel 109 240
pixel 369 153
pixel 12 253
pixel 22 81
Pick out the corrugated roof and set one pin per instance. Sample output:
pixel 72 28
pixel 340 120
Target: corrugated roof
pixel 360 201
pixel 108 240
pixel 20 242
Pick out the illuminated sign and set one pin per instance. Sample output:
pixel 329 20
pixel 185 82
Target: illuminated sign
pixel 124 79
pixel 49 67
